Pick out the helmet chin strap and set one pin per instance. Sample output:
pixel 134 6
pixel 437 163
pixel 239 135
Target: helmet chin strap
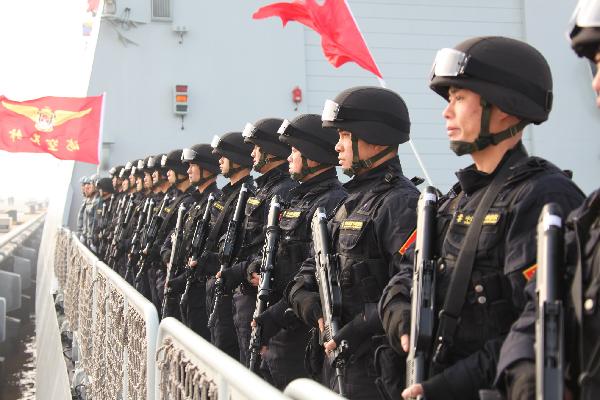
pixel 358 164
pixel 264 161
pixel 232 171
pixel 485 137
pixel 306 170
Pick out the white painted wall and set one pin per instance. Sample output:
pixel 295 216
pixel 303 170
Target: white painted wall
pixel 239 69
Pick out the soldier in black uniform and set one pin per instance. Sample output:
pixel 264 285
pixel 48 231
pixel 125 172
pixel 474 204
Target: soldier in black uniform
pixel 235 164
pixel 269 155
pixel 494 86
pixel 367 230
pixel 312 163
pixel 160 186
pixel 105 192
pixel 516 369
pixel 203 169
pixel 180 193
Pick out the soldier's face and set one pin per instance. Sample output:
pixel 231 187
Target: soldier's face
pixel 87 189
pixel 344 149
pixel 147 180
pixel 596 81
pixel 295 161
pixel 171 177
pixel 463 115
pixel 131 180
pixel 139 184
pixel 155 177
pixel 256 154
pixel 224 165
pixel 193 173
pixel 125 185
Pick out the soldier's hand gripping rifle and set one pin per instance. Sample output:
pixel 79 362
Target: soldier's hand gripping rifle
pixel 134 249
pixel 154 226
pixel 197 246
pixel 266 280
pixel 549 324
pixel 229 246
pixel 423 290
pixel 176 245
pixel 327 273
pixel 119 234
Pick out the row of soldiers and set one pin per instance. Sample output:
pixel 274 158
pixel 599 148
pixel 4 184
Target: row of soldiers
pixel 297 275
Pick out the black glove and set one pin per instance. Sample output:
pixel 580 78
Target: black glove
pixel 398 325
pixel 269 325
pixel 252 267
pixel 232 277
pixel 310 308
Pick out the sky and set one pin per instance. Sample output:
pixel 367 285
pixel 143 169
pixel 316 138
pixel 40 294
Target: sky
pixel 43 53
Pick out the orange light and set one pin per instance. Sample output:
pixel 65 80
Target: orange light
pixel 181 98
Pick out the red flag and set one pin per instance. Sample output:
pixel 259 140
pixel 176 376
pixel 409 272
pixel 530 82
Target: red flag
pixel 66 127
pixel 340 37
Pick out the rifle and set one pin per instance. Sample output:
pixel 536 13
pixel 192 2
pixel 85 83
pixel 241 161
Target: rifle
pixel 102 234
pixel 423 290
pixel 266 279
pixel 133 255
pixel 549 324
pixel 197 247
pixel 231 239
pixel 120 230
pixel 176 245
pixel 327 273
pixel 155 223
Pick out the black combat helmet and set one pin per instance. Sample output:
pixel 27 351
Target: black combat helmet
pixel 307 134
pixel 374 114
pixel 507 73
pixel 126 170
pixel 202 155
pixel 263 133
pixel 140 168
pixel 585 29
pixel 115 171
pixel 231 145
pixel 172 161
pixel 105 185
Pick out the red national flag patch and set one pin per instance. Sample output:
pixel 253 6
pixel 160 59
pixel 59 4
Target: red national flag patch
pixel 529 272
pixel 411 239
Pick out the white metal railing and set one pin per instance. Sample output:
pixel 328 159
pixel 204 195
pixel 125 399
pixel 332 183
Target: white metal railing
pixel 189 367
pixel 126 354
pixel 115 325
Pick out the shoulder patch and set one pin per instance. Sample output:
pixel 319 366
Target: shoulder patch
pixel 352 225
pixel 218 205
pixel 529 272
pixel 411 239
pixel 253 201
pixel 290 214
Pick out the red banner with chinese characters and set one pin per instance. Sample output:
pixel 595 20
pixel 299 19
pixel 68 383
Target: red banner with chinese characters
pixel 66 127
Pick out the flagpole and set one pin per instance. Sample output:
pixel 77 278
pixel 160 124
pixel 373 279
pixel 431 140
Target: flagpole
pixel 383 85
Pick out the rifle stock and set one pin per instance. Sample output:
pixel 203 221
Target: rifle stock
pixel 175 250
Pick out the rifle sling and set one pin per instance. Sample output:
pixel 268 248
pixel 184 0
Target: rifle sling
pixel 461 276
